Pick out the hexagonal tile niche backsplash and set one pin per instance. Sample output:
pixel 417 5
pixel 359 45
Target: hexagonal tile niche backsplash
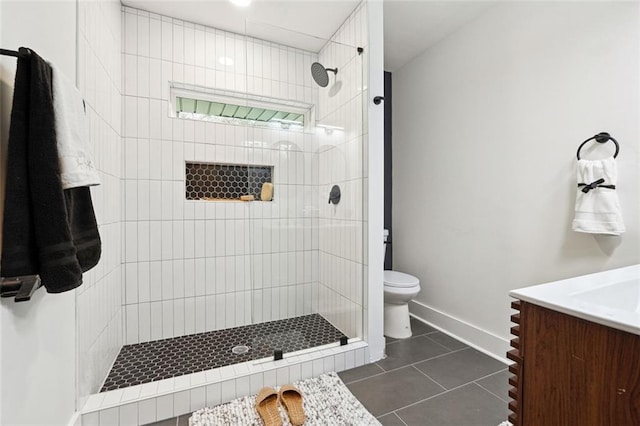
pixel 206 181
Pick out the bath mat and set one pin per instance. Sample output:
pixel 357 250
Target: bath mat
pixel 326 400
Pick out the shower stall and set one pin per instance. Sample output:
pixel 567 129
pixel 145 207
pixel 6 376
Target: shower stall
pixel 240 265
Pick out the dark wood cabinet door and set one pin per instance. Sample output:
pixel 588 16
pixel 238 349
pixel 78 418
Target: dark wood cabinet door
pixel 576 372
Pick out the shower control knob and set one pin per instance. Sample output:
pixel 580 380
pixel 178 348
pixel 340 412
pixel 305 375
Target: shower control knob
pixel 378 99
pixel 334 195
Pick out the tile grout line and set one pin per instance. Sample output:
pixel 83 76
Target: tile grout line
pixel 428 377
pixel 492 393
pixel 399 418
pixel 404 366
pixel 412 337
pixel 442 393
pixel 500 398
pixel 488 375
pixel 426 359
pixel 441 344
pixel 425 399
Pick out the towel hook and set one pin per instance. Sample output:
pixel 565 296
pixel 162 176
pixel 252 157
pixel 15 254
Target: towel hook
pixel 601 137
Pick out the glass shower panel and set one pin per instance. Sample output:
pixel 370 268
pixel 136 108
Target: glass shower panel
pixel 341 157
pixel 306 255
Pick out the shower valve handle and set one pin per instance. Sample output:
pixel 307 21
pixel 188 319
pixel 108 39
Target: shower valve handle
pixel 334 195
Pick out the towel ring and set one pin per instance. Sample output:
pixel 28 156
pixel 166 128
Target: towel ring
pixel 601 137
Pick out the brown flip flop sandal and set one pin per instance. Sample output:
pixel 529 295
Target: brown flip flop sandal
pixel 291 399
pixel 267 406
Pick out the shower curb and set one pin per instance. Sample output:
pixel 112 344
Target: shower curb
pixel 168 398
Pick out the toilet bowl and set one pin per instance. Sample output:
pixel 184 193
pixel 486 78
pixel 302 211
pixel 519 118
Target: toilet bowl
pixel 399 289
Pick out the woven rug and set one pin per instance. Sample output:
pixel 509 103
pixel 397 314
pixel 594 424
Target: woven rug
pixel 326 401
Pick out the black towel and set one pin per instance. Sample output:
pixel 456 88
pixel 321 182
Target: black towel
pixel 47 230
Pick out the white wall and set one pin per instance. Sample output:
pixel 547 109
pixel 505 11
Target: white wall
pixel 40 346
pixel 486 127
pixel 38 357
pixel 374 181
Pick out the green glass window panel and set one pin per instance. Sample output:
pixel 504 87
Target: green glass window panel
pixel 299 118
pixel 279 115
pixel 254 113
pixel 267 115
pixel 229 110
pixel 216 109
pixel 202 107
pixel 188 105
pixel 242 112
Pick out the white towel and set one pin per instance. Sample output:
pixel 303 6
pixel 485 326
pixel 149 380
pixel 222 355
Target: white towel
pixel 598 210
pixel 74 149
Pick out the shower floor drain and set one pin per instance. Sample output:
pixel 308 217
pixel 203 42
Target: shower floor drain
pixel 240 349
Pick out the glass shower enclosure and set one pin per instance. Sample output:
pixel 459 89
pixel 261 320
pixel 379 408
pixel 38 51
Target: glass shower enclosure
pixel 262 262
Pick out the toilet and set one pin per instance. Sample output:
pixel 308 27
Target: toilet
pixel 399 289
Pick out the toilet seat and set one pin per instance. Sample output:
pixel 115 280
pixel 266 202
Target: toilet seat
pixel 399 280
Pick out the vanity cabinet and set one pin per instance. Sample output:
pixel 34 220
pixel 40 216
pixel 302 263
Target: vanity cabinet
pixel 568 371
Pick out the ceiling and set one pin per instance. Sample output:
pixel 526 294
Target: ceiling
pixel 306 24
pixel 410 26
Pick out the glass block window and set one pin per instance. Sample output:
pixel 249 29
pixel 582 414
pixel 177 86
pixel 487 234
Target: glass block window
pixel 207 181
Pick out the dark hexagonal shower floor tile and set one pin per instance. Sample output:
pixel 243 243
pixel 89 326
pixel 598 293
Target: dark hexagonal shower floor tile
pixel 162 359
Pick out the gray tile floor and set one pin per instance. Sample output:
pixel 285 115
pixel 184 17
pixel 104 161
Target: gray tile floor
pixel 429 379
pixel 432 379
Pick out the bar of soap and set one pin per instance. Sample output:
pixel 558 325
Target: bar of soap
pixel 246 197
pixel 267 191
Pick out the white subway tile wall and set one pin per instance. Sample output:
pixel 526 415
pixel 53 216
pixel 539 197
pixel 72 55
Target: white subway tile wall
pixel 173 267
pixel 99 304
pixel 191 266
pixel 342 153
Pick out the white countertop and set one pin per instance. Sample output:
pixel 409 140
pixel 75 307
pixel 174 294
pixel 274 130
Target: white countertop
pixel 610 298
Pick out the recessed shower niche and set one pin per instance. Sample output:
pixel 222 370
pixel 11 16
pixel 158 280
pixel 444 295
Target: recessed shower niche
pixel 225 182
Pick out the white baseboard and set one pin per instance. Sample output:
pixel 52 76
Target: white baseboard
pixel 482 340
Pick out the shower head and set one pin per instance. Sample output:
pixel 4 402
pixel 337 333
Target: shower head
pixel 320 75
